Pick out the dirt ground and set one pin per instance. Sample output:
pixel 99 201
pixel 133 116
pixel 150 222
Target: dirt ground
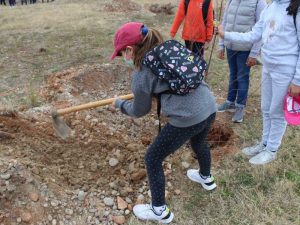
pixel 105 151
pixel 96 175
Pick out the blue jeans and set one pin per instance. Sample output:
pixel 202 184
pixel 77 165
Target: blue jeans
pixel 239 77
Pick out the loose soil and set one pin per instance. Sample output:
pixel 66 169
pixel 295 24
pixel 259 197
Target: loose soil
pixel 82 162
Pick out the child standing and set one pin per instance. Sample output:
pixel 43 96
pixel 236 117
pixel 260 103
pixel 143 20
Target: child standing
pixel 239 16
pixel 280 34
pixel 190 118
pixel 197 29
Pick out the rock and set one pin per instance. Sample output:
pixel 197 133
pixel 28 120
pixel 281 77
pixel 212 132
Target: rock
pixel 119 219
pixel 140 199
pixel 134 147
pixel 11 188
pixel 121 203
pixel 146 141
pixel 123 172
pixel 113 185
pixel 131 167
pixel 185 165
pixel 34 197
pixel 69 211
pixel 127 212
pixel 6 176
pixel 35 170
pixel 81 195
pixel 26 217
pixel 113 162
pixel 128 200
pixel 19 220
pixel 94 167
pixel 177 192
pixel 138 175
pixel 54 203
pixel 108 201
pixel 54 222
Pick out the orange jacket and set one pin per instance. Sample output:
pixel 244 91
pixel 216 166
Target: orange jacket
pixel 194 27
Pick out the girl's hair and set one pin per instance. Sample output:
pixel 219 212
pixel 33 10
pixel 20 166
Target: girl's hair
pixel 292 9
pixel 151 40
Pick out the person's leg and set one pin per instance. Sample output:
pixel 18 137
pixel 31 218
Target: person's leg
pixel 167 142
pixel 243 72
pixel 266 98
pixel 233 69
pixel 280 83
pixel 229 104
pixel 195 47
pixel 201 148
pixel 198 48
pixel 188 44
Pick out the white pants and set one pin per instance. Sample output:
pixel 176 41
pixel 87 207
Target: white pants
pixel 273 89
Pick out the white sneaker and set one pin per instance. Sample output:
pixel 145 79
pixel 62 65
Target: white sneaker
pixel 263 157
pixel 208 183
pixel 146 212
pixel 253 150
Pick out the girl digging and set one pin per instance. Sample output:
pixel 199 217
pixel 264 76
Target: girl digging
pixel 280 34
pixel 190 118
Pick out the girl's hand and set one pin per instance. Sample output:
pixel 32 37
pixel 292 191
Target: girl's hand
pixel 206 45
pixel 221 54
pixel 113 104
pixel 251 61
pixel 221 31
pixel 294 90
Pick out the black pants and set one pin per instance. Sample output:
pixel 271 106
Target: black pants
pixel 2 2
pixel 12 2
pixel 24 2
pixel 196 47
pixel 167 142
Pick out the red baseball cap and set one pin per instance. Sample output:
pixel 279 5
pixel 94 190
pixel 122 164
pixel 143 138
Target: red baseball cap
pixel 128 34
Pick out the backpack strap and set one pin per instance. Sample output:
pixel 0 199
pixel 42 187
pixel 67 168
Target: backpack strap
pixel 158 99
pixel 295 15
pixel 205 7
pixel 186 5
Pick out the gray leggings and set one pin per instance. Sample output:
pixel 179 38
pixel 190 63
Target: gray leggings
pixel 167 142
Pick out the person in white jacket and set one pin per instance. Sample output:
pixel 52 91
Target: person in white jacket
pixel 279 30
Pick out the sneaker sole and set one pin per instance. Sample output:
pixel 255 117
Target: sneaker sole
pixel 254 163
pixel 237 121
pixel 249 155
pixel 169 220
pixel 227 110
pixel 208 188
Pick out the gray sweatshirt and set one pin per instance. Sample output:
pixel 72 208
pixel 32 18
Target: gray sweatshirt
pixel 280 39
pixel 182 111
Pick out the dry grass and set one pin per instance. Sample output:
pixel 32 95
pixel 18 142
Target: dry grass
pixel 78 32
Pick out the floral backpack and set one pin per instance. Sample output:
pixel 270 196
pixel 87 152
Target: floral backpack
pixel 176 65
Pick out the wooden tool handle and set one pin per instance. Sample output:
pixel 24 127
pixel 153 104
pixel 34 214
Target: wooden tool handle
pixel 91 105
